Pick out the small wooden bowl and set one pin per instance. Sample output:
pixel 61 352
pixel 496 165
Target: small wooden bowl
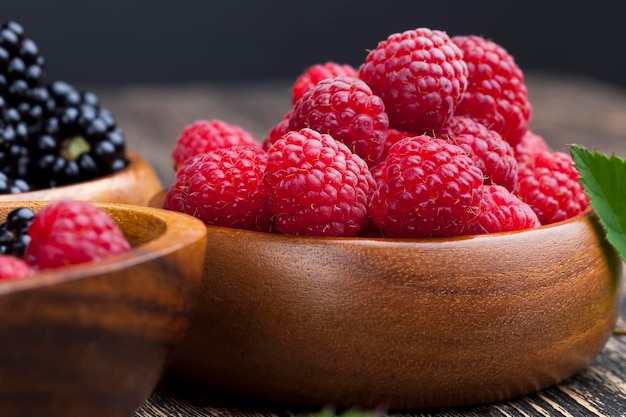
pixel 93 339
pixel 400 323
pixel 135 184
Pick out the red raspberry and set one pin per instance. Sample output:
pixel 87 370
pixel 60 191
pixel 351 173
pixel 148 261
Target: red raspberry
pixel 430 187
pixel 205 135
pixel 549 184
pixel 224 187
pixel 12 267
pixel 502 211
pixel 492 154
pixel 346 109
pixel 318 186
pixel 420 75
pixel 72 232
pixel 496 94
pixel 277 131
pixel 318 72
pixel 392 136
pixel 530 146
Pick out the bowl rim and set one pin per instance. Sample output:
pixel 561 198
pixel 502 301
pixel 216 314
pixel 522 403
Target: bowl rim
pixel 135 161
pixel 188 231
pixel 588 214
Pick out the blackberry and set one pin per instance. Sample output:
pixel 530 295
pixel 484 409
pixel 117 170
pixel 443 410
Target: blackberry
pixel 10 185
pixel 21 64
pixel 51 133
pixel 79 140
pixel 14 238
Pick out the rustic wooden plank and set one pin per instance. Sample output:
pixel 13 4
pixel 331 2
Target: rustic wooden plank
pixel 565 111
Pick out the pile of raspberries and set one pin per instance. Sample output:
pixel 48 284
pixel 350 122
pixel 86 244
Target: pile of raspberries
pixel 428 137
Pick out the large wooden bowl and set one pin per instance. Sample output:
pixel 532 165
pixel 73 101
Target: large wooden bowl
pixel 135 184
pixel 400 323
pixel 93 339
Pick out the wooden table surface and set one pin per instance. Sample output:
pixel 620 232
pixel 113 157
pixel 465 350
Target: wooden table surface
pixel 566 110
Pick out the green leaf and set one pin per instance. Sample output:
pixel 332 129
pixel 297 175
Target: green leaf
pixel 604 180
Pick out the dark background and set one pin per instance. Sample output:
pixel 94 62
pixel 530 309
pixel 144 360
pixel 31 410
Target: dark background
pixel 113 41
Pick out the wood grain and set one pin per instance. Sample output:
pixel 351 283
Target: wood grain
pixel 565 110
pixel 93 339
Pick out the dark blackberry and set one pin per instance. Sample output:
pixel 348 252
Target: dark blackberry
pixel 51 134
pixel 78 141
pixel 14 238
pixel 12 185
pixel 14 134
pixel 20 61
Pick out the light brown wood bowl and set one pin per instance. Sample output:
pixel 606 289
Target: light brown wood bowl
pixel 135 184
pixel 93 339
pixel 400 323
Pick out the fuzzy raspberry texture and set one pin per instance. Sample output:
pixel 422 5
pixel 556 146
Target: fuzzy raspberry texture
pixel 421 76
pixel 203 136
pixel 549 183
pixel 345 108
pixel 72 232
pixel 530 146
pixel 492 154
pixel 224 187
pixel 496 94
pixel 277 131
pixel 502 211
pixel 316 73
pixel 12 267
pixel 317 185
pixel 429 188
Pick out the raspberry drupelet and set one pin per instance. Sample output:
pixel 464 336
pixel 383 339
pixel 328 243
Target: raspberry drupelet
pixel 72 232
pixel 345 108
pixel 203 136
pixel 502 211
pixel 549 184
pixel 428 187
pixel 317 185
pixel 496 94
pixel 316 73
pixel 492 154
pixel 224 187
pixel 420 75
pixel 12 267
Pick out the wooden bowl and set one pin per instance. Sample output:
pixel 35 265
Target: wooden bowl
pixel 135 184
pixel 400 323
pixel 93 339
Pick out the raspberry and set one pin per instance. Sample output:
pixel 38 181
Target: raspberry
pixel 12 267
pixel 72 232
pixel 496 94
pixel 205 135
pixel 420 76
pixel 549 184
pixel 430 187
pixel 318 186
pixel 277 131
pixel 316 73
pixel 345 108
pixel 530 146
pixel 502 211
pixel 224 187
pixel 492 154
pixel 392 136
